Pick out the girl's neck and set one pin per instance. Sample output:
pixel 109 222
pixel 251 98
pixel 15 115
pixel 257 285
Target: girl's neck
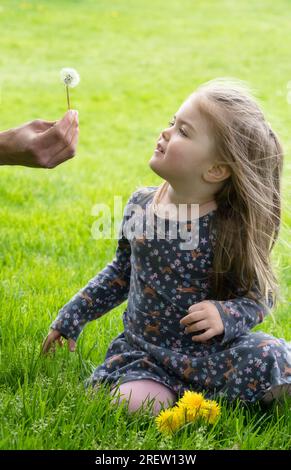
pixel 166 195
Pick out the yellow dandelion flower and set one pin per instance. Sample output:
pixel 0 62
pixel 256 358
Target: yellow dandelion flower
pixel 192 399
pixel 210 411
pixel 170 420
pixel 190 414
pixel 188 409
pixel 179 416
pixel 164 421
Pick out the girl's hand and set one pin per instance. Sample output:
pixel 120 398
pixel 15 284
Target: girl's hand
pixel 53 337
pixel 203 316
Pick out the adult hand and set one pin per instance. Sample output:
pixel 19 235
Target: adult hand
pixel 53 337
pixel 203 316
pixel 40 144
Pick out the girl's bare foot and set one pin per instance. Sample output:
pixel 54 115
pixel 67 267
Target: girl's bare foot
pixel 278 393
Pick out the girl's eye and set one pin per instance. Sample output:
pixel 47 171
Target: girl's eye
pixel 181 130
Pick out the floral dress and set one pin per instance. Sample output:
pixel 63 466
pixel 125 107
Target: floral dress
pixel 161 280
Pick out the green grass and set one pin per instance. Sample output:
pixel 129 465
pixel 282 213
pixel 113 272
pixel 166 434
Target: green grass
pixel 138 60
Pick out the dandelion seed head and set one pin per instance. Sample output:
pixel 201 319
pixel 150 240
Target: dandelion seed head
pixel 70 77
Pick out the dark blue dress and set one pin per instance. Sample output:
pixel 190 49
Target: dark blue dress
pixel 161 281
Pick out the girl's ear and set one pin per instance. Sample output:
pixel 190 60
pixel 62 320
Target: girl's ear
pixel 217 173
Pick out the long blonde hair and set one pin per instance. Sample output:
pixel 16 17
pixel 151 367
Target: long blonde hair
pixel 249 203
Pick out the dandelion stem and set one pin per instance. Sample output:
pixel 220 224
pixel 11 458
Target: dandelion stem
pixel 68 96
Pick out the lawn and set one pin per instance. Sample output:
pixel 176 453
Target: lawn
pixel 138 61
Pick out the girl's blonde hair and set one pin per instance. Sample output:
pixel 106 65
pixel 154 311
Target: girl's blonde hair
pixel 249 203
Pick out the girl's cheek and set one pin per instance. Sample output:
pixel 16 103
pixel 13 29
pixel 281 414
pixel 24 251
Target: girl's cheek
pixel 198 153
pixel 179 162
pixel 174 158
pixel 176 151
pixel 206 146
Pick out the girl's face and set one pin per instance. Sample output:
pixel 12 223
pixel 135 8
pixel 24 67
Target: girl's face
pixel 187 146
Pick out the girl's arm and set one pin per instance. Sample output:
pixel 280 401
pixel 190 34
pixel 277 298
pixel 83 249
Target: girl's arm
pixel 102 293
pixel 241 314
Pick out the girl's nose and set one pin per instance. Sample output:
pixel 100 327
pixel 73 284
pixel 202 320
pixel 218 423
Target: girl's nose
pixel 165 134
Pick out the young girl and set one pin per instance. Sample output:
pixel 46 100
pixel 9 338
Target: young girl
pixel 190 310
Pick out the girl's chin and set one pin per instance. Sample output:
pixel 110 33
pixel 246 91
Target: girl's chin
pixel 154 160
pixel 157 156
pixel 156 167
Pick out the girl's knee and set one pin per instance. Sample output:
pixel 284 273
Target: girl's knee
pixel 138 392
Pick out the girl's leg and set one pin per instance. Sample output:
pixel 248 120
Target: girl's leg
pixel 137 391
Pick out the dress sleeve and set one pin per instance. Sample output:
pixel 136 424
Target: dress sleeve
pixel 241 314
pixel 104 292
